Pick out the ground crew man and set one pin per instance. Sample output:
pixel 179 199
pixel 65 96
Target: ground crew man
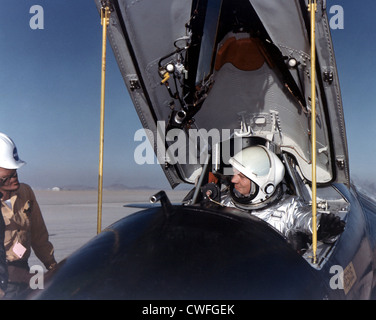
pixel 24 225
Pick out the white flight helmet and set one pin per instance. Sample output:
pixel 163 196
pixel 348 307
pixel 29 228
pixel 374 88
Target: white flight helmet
pixel 263 168
pixel 8 153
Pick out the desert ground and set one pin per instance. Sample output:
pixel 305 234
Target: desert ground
pixel 71 216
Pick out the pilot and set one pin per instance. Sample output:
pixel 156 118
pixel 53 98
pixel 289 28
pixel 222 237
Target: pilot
pixel 256 187
pixel 24 225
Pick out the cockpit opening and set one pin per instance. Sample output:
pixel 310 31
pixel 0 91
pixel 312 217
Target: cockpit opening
pixel 288 210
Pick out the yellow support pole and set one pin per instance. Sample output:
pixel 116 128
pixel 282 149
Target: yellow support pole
pixel 105 17
pixel 312 8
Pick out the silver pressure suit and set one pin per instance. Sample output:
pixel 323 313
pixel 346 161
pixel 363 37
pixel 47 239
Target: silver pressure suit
pixel 286 214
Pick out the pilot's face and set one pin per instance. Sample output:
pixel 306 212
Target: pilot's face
pixel 241 183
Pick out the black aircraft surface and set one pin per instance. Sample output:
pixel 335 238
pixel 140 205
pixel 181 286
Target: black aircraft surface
pixel 220 72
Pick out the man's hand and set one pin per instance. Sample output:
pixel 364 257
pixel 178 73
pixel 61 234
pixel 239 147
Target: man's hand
pixel 330 227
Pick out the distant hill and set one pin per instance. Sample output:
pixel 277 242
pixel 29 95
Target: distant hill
pixel 76 187
pixel 119 186
pixel 114 187
pixel 365 186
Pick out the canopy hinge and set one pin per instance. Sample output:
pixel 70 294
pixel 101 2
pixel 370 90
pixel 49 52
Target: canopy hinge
pixel 328 76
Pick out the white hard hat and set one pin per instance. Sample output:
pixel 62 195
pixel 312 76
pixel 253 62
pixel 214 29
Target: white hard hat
pixel 8 153
pixel 262 167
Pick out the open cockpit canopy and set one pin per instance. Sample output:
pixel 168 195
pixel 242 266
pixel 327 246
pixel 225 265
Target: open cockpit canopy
pixel 204 71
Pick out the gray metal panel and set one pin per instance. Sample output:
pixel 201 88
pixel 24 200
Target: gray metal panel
pixel 286 28
pixel 260 93
pixel 142 32
pixel 332 93
pixel 284 23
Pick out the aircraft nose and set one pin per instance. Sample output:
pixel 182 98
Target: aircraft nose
pixel 191 253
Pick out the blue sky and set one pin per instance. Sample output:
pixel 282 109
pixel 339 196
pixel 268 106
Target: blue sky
pixel 50 95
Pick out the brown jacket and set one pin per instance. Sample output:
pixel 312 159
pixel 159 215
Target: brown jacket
pixel 24 224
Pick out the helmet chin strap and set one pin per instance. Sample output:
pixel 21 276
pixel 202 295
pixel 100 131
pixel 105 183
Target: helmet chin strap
pixel 245 202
